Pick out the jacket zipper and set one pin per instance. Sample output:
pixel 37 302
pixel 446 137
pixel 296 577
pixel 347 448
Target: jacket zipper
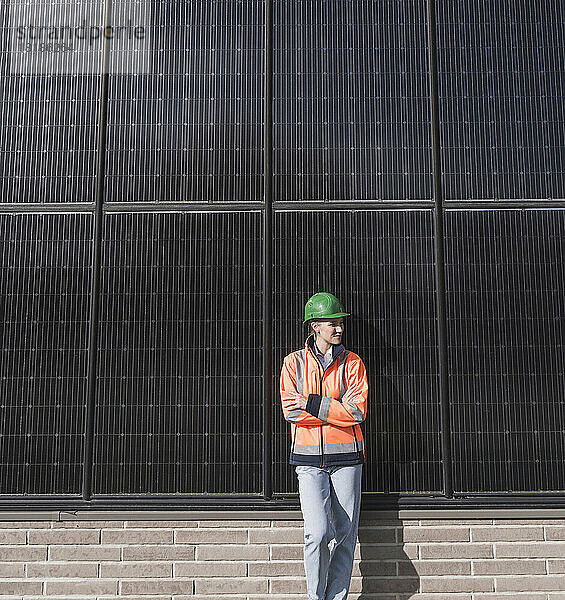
pixel 322 373
pixel 321 426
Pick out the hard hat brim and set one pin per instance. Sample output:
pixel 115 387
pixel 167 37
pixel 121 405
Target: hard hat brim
pixel 327 317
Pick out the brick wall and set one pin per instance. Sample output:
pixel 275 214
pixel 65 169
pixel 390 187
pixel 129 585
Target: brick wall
pixel 396 559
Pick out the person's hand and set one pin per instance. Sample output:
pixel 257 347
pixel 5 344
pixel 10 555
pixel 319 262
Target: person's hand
pixel 296 401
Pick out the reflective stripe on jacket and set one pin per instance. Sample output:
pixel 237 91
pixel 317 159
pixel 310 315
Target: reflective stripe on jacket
pixel 327 431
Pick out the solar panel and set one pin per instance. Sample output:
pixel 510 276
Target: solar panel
pixel 179 404
pixel 191 128
pixel 351 101
pixel 49 116
pixel 381 265
pixel 505 282
pixel 500 70
pixel 44 301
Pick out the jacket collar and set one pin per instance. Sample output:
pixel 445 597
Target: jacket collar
pixel 337 349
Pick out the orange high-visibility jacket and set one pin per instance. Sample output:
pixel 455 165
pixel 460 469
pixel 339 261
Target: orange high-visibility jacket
pixel 327 431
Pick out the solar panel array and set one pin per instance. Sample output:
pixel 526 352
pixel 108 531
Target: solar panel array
pixel 181 370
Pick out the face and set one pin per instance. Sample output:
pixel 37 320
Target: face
pixel 329 331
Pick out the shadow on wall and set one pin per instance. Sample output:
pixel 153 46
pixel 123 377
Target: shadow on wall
pixel 398 449
pixel 385 567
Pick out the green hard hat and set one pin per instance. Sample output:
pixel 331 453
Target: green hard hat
pixel 323 305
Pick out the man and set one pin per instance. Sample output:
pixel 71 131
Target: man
pixel 324 393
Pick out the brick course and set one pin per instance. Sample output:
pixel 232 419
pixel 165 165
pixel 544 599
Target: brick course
pixel 175 559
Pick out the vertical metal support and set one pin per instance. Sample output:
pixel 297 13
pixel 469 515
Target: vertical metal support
pixel 447 461
pixel 268 260
pixel 95 285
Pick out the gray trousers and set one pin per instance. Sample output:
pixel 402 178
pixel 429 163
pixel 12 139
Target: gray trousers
pixel 330 498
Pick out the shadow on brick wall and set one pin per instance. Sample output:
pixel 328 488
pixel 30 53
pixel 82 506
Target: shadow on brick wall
pixel 385 566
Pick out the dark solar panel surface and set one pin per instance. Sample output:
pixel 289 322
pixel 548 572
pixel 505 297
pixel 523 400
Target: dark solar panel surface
pixel 501 73
pixel 505 285
pixel 179 406
pixel 180 361
pixel 48 138
pixel 49 133
pixel 45 275
pixel 380 264
pixel 191 129
pixel 351 100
